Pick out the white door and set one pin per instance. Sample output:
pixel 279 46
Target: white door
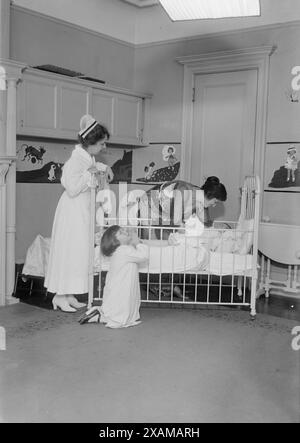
pixel 223 134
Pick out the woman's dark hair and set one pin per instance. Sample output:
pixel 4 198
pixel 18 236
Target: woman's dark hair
pixel 109 241
pixel 99 132
pixel 214 189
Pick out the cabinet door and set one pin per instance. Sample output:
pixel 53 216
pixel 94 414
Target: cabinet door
pixel 74 103
pixel 128 119
pixel 102 109
pixel 37 107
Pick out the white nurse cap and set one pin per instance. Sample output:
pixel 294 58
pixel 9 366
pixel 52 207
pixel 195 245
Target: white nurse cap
pixel 87 124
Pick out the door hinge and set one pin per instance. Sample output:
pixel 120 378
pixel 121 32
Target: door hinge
pixel 194 94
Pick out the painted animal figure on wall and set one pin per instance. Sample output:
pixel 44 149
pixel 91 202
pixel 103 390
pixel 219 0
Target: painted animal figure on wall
pixel 122 168
pixel 35 155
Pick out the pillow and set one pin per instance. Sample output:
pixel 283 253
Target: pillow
pixel 246 228
pixel 229 241
pixel 211 238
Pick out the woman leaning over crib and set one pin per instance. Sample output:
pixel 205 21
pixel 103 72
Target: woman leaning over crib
pixel 211 193
pixel 67 272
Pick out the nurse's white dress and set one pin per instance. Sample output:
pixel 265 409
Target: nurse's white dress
pixel 67 271
pixel 121 295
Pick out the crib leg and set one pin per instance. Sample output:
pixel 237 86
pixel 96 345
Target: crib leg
pixel 253 298
pixel 16 283
pixel 267 285
pixel 240 292
pixel 31 287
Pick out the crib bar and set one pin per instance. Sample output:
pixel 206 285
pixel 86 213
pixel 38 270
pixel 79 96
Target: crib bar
pixel 92 240
pixel 295 279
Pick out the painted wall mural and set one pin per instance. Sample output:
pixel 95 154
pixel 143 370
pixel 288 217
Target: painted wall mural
pixel 42 162
pixel 282 167
pixel 156 164
pixel 120 161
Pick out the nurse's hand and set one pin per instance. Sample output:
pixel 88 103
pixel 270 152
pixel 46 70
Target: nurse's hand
pixel 93 170
pixel 109 174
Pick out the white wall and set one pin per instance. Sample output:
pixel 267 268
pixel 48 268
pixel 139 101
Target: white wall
pixel 109 17
pixel 37 40
pixel 157 71
pixel 36 205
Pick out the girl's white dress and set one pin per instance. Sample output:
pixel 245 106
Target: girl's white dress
pixel 122 295
pixel 291 163
pixel 67 271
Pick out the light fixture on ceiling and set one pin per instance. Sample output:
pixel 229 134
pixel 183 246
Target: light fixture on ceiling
pixel 208 9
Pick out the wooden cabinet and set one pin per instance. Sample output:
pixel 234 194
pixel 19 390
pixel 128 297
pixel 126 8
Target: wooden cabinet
pixel 122 114
pixel 50 105
pixel 128 121
pixel 103 108
pixel 74 102
pixel 37 107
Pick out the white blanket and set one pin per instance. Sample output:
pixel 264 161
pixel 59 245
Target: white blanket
pixel 37 257
pixel 185 258
pixel 163 258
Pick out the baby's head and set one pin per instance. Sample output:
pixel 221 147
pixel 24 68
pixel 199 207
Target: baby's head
pixel 112 238
pixel 292 151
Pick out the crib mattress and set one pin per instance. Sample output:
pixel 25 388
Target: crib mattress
pixel 180 260
pixel 163 258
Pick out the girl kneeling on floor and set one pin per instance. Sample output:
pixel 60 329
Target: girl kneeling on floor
pixel 121 296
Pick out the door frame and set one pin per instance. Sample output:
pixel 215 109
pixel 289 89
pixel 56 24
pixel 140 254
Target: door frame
pixel 257 58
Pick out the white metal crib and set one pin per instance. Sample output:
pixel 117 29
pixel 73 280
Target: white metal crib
pixel 186 273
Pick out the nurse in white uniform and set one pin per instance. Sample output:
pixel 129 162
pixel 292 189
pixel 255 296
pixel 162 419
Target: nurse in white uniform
pixel 67 273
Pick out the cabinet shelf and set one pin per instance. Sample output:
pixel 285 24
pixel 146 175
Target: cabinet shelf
pixel 51 105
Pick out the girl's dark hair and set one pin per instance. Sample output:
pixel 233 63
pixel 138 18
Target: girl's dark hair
pixel 99 132
pixel 109 241
pixel 214 189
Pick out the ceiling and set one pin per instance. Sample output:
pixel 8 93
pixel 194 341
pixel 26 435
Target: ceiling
pixel 141 3
pixel 143 22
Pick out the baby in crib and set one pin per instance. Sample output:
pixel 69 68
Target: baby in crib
pixel 237 240
pixel 190 233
